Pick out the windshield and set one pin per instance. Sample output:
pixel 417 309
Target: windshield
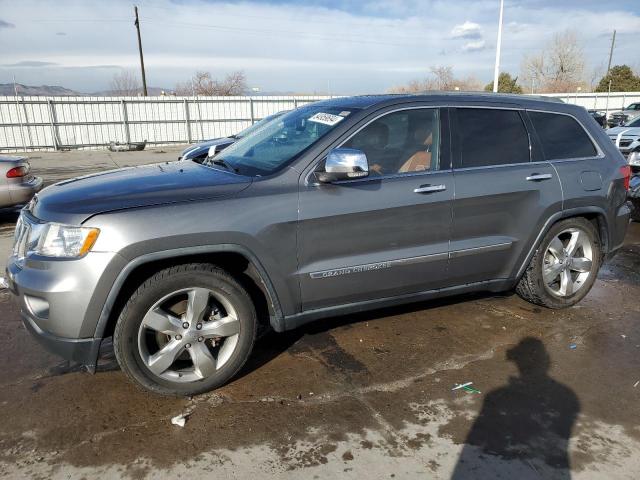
pixel 634 123
pixel 247 131
pixel 276 143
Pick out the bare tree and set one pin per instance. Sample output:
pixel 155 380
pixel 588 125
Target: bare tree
pixel 202 83
pixel 125 83
pixel 558 68
pixel 441 78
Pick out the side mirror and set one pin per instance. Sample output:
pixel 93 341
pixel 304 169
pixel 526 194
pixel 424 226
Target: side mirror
pixel 343 164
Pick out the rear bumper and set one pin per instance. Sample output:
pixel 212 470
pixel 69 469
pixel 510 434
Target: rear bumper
pixel 23 192
pixel 618 230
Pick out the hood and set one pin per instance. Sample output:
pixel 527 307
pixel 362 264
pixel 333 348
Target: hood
pixel 626 131
pixel 206 145
pixel 73 201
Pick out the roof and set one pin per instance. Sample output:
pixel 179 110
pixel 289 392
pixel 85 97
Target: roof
pixel 366 101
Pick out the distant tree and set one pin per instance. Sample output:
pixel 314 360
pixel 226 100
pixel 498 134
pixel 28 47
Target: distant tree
pixel 557 68
pixel 440 78
pixel 202 83
pixel 506 84
pixel 125 84
pixel 622 80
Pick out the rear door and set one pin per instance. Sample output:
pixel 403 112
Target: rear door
pixel 387 234
pixel 505 192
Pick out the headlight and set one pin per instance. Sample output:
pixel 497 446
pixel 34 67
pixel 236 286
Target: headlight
pixel 634 158
pixel 65 241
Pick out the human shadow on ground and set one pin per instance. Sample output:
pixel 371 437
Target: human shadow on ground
pixel 524 427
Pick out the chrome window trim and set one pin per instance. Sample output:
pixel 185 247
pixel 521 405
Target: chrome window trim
pixel 599 152
pixel 502 165
pixel 309 183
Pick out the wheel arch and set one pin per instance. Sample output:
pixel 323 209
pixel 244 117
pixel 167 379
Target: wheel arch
pixel 236 259
pixel 595 215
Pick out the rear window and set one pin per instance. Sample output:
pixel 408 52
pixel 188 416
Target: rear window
pixel 491 137
pixel 562 136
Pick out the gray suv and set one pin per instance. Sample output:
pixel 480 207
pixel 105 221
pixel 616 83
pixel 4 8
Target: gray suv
pixel 338 207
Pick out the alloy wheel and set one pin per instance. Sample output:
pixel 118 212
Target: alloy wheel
pixel 188 335
pixel 567 262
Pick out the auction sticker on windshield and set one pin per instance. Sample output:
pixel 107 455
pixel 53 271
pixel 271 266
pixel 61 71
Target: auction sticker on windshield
pixel 326 118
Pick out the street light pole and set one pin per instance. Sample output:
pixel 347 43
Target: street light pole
pixel 144 77
pixel 496 71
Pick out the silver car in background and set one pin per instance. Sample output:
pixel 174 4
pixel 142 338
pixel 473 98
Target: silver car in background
pixel 17 184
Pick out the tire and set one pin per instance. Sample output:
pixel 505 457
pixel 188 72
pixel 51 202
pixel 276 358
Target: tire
pixel 173 319
pixel 635 210
pixel 575 277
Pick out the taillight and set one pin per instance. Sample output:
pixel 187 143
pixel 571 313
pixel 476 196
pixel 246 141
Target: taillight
pixel 17 172
pixel 626 176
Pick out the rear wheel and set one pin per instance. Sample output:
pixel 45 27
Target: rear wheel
pixel 565 266
pixel 186 330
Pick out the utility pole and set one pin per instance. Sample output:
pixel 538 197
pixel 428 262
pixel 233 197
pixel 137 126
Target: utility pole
pixel 144 78
pixel 613 42
pixel 496 72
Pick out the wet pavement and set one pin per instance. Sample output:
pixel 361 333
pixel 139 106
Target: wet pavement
pixel 363 396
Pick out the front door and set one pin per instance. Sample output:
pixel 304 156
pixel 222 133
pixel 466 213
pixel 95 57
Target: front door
pixel 386 234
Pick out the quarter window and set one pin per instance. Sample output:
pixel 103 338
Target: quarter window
pixel 407 141
pixel 562 136
pixel 491 137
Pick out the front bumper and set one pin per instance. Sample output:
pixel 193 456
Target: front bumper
pixel 82 350
pixel 59 302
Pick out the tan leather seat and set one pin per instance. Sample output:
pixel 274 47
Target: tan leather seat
pixel 419 160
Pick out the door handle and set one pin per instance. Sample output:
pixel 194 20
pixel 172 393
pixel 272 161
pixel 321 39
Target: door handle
pixel 430 188
pixel 536 177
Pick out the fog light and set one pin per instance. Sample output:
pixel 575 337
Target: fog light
pixel 37 306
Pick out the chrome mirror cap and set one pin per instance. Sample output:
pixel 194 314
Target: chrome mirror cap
pixel 344 164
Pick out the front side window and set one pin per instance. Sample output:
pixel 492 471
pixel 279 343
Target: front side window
pixel 407 141
pixel 561 136
pixel 278 142
pixel 491 137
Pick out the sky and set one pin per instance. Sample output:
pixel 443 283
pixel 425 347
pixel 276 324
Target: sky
pixel 299 46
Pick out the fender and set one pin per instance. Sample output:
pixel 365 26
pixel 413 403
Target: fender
pixel 572 212
pixel 277 320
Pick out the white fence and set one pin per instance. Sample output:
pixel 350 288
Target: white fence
pixel 54 123
pixel 599 101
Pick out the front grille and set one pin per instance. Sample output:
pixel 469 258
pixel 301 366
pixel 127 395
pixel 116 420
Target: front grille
pixel 625 142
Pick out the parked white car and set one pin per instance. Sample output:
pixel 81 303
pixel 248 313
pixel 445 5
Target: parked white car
pixel 627 139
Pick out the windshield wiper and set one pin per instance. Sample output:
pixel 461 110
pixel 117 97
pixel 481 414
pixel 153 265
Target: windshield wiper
pixel 225 164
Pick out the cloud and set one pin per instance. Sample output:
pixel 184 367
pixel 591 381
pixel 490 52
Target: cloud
pixel 474 46
pixel 61 34
pixel 30 63
pixel 469 30
pixel 363 46
pixel 5 24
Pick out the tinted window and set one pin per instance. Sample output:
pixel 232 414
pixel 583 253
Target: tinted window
pixel 561 136
pixel 491 137
pixel 407 141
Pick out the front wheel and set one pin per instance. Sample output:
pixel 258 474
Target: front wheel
pixel 565 267
pixel 186 330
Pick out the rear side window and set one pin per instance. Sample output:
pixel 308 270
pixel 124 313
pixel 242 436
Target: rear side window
pixel 491 137
pixel 562 136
